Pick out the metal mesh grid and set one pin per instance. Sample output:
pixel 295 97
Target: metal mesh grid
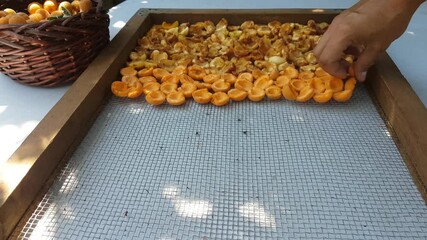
pixel 267 170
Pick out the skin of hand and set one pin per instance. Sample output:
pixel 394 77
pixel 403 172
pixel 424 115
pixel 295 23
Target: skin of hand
pixel 364 30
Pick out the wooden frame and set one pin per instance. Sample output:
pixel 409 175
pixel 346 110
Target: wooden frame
pixel 23 177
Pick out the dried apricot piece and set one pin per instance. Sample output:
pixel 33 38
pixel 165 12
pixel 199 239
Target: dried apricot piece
pixel 323 97
pixel 228 77
pixel 196 72
pixel 202 96
pixel 180 70
pixel 256 94
pixel 221 86
pixel 147 79
pixel 159 73
pixel 263 82
pixel 145 72
pixel 282 81
pixel 305 75
pixel 350 84
pixel 319 72
pixel 170 78
pixel 237 94
pixel 289 93
pixel 188 89
pixel 50 5
pixel 17 19
pixel 120 89
pixel 168 87
pixel 135 90
pixel 343 96
pixel 211 78
pixel 318 85
pixel 290 72
pixel 273 92
pixel 85 5
pixel 256 73
pixel 176 98
pixel 220 99
pixel 128 71
pixel 298 84
pixel 305 94
pixel 130 80
pixel 184 78
pixel 150 87
pixel 334 83
pixel 243 84
pixel 155 98
pixel 246 76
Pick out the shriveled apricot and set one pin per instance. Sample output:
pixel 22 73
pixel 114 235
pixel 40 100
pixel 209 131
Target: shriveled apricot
pixel 119 88
pixel 305 94
pixel 263 82
pixel 256 94
pixel 237 94
pixel 243 84
pixel 343 96
pixel 56 13
pixel 168 87
pixel 211 78
pixel 273 92
pixel 196 72
pixel 175 98
pixel 274 75
pixel 289 93
pixel 221 86
pixel 4 20
pixel 76 6
pixel 202 96
pixel 155 98
pixel 159 73
pixel 33 7
pixel 167 25
pixel 150 87
pixel 145 72
pixel 323 97
pixel 188 88
pixel 220 99
pixel 128 71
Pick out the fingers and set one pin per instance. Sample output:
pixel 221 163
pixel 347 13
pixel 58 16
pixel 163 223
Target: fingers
pixel 365 61
pixel 330 56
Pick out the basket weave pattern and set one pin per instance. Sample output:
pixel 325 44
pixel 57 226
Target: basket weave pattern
pixel 55 52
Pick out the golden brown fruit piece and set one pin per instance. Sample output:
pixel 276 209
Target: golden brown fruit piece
pixel 221 86
pixel 120 89
pixel 50 5
pixel 176 98
pixel 289 93
pixel 188 89
pixel 273 92
pixel 237 94
pixel 85 5
pixel 33 7
pixel 155 98
pixel 202 96
pixel 323 97
pixel 220 99
pixel 256 94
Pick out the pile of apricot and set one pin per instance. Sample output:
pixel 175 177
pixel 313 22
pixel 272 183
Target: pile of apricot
pixel 48 10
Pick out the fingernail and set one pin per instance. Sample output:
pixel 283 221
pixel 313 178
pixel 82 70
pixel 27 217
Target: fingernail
pixel 363 76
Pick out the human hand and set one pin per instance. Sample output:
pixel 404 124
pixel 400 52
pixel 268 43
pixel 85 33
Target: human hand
pixel 364 30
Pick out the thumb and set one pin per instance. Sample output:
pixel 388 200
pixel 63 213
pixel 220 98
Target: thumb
pixel 365 60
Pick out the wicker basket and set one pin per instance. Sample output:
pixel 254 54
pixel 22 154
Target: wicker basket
pixel 55 52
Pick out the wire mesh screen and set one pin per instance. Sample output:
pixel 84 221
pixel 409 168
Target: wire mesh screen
pixel 266 170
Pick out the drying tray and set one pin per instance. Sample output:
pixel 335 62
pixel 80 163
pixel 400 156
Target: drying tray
pixel 101 167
